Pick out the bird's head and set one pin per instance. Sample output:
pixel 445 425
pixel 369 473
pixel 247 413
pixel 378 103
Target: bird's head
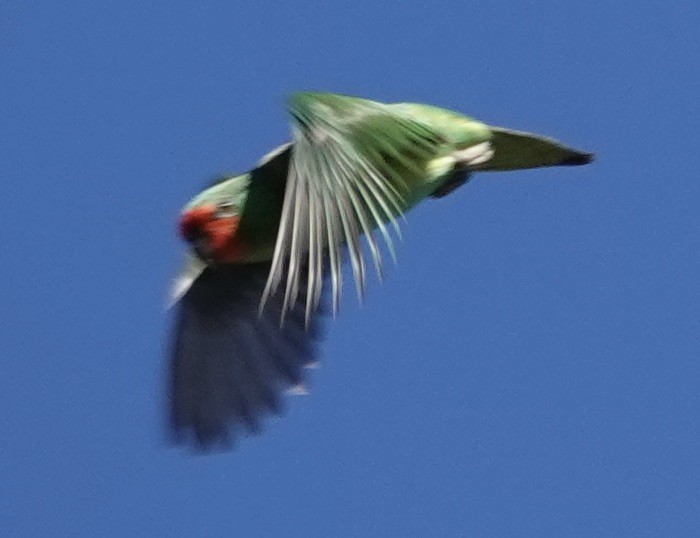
pixel 210 222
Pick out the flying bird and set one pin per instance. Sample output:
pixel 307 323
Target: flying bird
pixel 266 248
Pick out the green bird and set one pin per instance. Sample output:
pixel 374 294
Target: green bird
pixel 266 248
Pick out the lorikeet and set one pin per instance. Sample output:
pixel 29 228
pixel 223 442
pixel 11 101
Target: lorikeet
pixel 266 247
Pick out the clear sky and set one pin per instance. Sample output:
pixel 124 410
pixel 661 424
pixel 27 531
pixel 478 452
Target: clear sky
pixel 530 368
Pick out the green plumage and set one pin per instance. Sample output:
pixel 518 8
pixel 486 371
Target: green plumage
pixel 354 166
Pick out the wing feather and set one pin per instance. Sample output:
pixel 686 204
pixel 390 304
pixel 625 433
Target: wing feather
pixel 228 366
pixel 355 166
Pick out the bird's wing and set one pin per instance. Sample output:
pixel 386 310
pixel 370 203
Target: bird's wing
pixel 347 176
pixel 228 367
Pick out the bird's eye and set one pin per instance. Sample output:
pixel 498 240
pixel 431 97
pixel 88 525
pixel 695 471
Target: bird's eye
pixel 226 209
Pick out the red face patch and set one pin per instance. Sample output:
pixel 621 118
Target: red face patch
pixel 192 222
pixel 212 236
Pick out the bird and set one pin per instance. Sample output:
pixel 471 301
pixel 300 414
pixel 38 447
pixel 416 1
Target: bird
pixel 265 250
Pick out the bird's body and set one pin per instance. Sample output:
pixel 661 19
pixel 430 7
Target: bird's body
pixel 265 244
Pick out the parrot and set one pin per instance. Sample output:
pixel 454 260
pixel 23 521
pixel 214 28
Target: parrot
pixel 266 249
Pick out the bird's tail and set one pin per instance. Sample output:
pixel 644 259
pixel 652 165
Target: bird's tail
pixel 515 150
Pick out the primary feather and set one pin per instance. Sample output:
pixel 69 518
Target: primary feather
pixel 229 365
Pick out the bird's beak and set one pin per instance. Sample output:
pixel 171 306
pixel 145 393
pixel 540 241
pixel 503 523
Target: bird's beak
pixel 202 248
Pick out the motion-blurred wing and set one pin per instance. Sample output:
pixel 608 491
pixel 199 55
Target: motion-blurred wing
pixel 228 365
pixel 352 161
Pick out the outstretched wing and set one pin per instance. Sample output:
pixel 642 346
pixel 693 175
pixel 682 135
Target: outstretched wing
pixel 355 166
pixel 228 366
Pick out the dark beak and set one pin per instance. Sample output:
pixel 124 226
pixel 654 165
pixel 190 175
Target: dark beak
pixel 202 249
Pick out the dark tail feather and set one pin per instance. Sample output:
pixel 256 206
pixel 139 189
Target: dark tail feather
pixel 516 150
pixel 577 159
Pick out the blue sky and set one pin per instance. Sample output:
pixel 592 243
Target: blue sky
pixel 530 368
